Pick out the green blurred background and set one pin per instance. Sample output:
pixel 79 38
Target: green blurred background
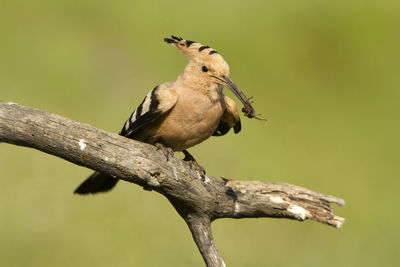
pixel 324 73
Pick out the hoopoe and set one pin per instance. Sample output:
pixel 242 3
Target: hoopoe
pixel 178 115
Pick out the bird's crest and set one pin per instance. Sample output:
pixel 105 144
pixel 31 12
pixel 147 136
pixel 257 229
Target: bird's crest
pixel 212 61
pixel 194 50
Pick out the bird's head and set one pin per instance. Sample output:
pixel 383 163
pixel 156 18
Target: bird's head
pixel 207 67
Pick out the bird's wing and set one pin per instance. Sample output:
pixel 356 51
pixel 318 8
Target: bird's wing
pixel 229 119
pixel 156 103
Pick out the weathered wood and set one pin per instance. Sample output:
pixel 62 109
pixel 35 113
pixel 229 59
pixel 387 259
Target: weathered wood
pixel 200 226
pixel 199 201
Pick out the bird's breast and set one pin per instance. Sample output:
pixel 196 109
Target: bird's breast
pixel 194 118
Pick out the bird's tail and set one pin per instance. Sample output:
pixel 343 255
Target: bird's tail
pixel 96 183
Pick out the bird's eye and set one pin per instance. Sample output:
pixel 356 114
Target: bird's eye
pixel 204 69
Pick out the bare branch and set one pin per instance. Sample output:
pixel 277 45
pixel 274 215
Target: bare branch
pixel 199 201
pixel 200 226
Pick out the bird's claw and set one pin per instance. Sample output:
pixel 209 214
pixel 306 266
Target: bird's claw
pixel 168 152
pixel 194 165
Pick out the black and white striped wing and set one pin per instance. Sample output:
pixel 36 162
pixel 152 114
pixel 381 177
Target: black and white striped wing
pixel 230 119
pixel 156 103
pixel 224 127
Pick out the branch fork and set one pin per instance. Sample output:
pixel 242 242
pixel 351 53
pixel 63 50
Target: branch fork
pixel 198 201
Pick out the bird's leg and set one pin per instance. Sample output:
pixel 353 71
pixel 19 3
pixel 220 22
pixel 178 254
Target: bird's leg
pixel 193 163
pixel 166 150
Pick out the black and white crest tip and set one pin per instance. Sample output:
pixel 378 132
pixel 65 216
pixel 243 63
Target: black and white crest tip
pixel 176 40
pixel 173 39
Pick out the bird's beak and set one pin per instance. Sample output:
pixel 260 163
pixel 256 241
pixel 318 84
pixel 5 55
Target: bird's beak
pixel 247 109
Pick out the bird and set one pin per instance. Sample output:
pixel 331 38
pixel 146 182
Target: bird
pixel 175 116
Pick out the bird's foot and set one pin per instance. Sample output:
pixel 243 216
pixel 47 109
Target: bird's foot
pixel 168 152
pixel 194 164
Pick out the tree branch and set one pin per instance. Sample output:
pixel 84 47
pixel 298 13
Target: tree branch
pixel 199 201
pixel 200 226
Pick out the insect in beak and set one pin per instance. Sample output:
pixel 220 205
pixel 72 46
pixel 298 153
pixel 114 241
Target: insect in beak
pixel 248 108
